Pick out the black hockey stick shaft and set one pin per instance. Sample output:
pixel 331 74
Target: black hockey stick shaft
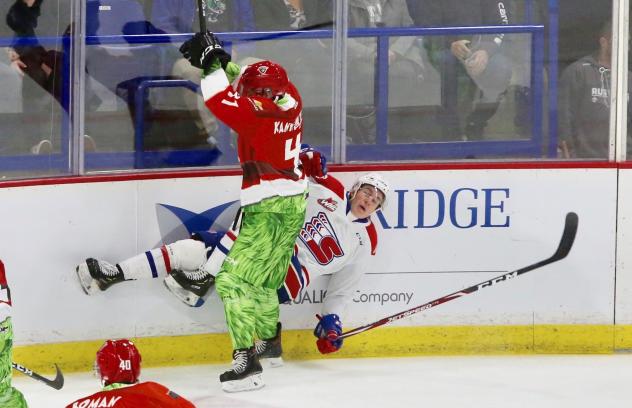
pixel 202 14
pixel 566 242
pixel 57 382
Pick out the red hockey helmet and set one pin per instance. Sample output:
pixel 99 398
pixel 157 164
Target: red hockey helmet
pixel 118 361
pixel 264 78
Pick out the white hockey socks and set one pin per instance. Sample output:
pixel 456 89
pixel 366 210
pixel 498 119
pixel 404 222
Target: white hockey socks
pixel 187 254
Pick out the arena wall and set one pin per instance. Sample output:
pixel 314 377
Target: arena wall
pixel 444 229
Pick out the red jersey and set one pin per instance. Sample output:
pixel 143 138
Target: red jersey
pixel 269 141
pixel 5 295
pixel 142 395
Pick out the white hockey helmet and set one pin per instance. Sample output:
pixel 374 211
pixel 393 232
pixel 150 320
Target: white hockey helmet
pixel 373 179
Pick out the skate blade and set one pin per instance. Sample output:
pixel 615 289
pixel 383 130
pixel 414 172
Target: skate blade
pixel 250 383
pixel 88 284
pixel 274 362
pixel 189 298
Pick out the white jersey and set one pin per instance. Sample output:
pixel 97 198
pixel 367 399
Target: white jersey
pixel 332 241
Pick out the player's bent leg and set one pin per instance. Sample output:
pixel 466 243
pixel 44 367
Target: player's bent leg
pixel 187 254
pixel 271 349
pixel 191 283
pixel 191 287
pixel 95 275
pixel 246 372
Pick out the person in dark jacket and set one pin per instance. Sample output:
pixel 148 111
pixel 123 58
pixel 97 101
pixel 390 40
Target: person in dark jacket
pixel 478 58
pixel 584 104
pixel 42 65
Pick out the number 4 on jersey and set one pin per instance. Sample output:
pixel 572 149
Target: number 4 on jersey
pixel 292 151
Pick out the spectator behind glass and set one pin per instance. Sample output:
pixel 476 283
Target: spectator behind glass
pixel 307 61
pixel 478 59
pixel 45 67
pixel 406 67
pixel 40 66
pixel 41 72
pixel 181 16
pixel 276 15
pixel 33 60
pixel 584 103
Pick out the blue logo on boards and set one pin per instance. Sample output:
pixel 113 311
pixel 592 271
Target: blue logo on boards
pixel 419 208
pixel 177 223
pixel 461 208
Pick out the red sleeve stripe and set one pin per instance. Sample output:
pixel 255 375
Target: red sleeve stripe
pixel 231 235
pixel 4 284
pixel 332 183
pixel 165 257
pixel 305 275
pixel 370 229
pixel 3 276
pixel 292 282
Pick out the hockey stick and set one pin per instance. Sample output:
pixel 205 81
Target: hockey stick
pixel 57 383
pixel 202 14
pixel 566 242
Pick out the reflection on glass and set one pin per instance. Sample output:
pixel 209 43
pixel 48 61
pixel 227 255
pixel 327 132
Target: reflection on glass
pixel 474 69
pixel 477 94
pixel 308 61
pixel 124 109
pixel 405 60
pixel 181 110
pixel 32 68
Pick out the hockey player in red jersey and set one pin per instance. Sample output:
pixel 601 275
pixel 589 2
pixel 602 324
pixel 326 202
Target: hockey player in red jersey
pixel 10 397
pixel 338 238
pixel 265 109
pixel 118 366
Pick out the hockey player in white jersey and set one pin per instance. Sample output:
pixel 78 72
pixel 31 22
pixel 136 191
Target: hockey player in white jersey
pixel 337 238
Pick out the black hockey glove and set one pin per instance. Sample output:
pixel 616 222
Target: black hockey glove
pixel 202 49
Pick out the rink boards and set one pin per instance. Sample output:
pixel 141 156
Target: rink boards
pixel 443 230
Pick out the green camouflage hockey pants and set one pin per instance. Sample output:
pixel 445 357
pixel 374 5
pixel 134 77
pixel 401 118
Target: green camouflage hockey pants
pixel 256 267
pixel 9 396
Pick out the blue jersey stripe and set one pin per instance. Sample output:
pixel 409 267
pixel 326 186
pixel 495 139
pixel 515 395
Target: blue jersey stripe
pixel 152 264
pixel 297 267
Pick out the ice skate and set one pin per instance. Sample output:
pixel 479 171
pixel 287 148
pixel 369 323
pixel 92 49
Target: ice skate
pixel 246 372
pixel 271 349
pixel 95 275
pixel 189 286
